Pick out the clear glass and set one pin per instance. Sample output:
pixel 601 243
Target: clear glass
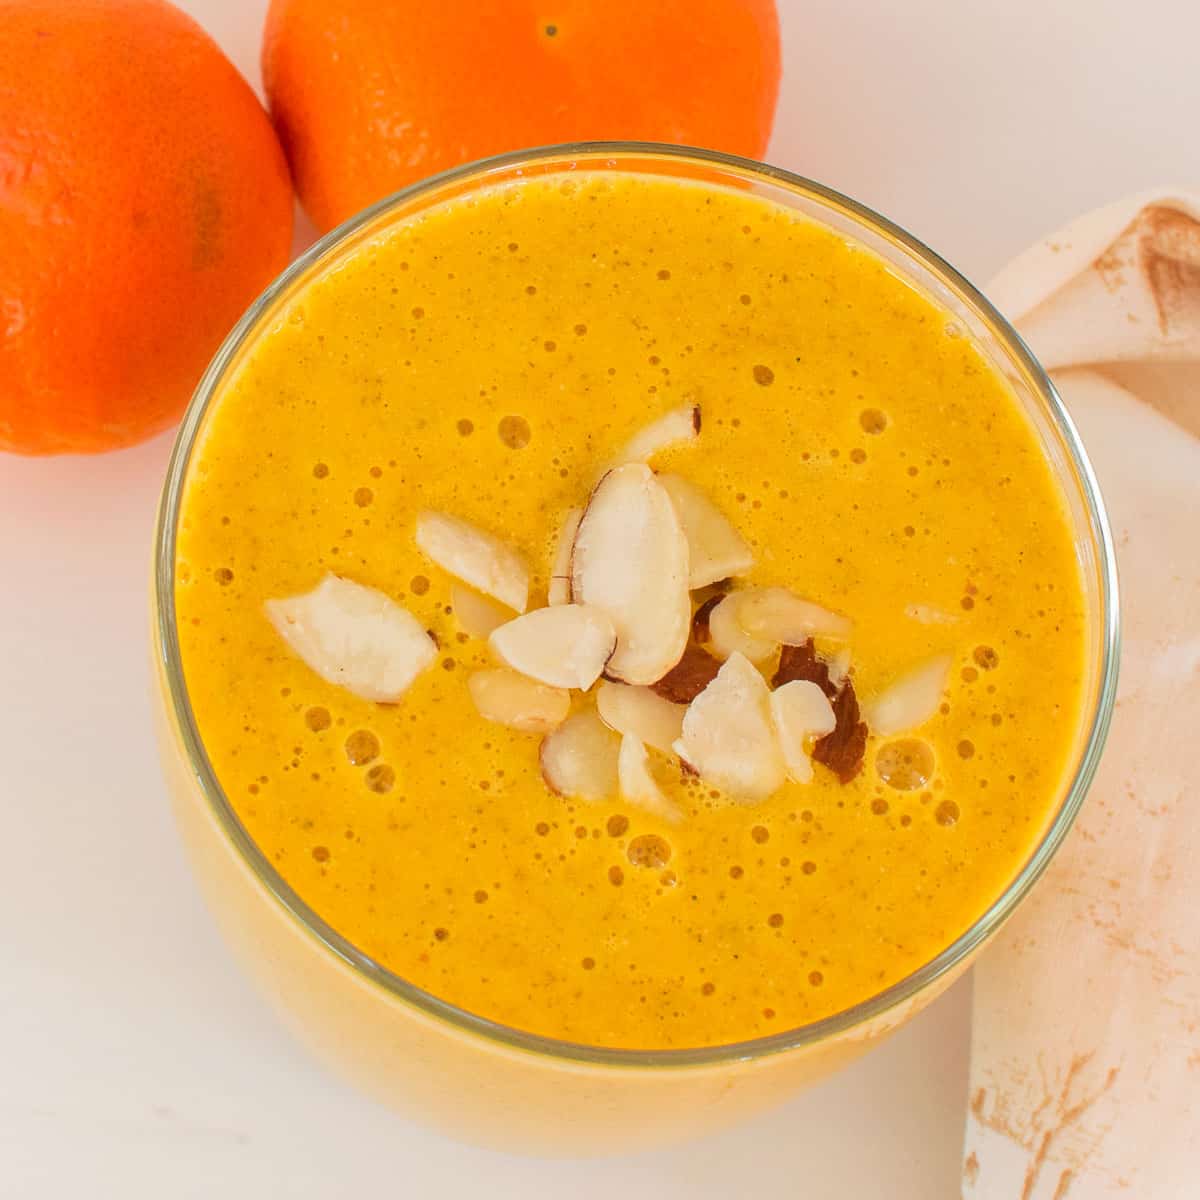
pixel 473 1077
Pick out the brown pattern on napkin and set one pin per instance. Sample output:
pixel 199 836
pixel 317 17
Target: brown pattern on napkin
pixel 1161 248
pixel 1085 1077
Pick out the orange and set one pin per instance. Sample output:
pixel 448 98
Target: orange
pixel 369 95
pixel 144 202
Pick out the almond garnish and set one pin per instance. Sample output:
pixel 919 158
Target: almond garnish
pixel 800 712
pixel 560 568
pixel 630 559
pixel 728 734
pixel 510 699
pixel 927 614
pixel 637 784
pixel 715 548
pixel 776 614
pixel 839 667
pixel 688 677
pixel 678 425
pixel 640 713
pixel 477 614
pixel 579 759
pixel 727 636
pixel 911 700
pixel 355 637
pixel 475 557
pixel 565 646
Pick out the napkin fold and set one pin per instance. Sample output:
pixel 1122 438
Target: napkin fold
pixel 1085 1054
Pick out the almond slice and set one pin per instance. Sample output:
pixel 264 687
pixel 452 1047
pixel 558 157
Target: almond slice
pixel 638 712
pixel 800 712
pixel 638 785
pixel 726 635
pixel 728 735
pixel 354 636
pixel 678 425
pixel 565 646
pixel 911 700
pixel 631 559
pixel 715 549
pixel 510 699
pixel 560 568
pixel 477 614
pixel 927 614
pixel 778 615
pixel 579 759
pixel 839 667
pixel 478 558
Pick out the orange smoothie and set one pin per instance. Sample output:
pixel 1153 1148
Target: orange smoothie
pixel 487 362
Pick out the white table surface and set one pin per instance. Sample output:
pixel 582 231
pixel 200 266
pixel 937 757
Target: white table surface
pixel 135 1061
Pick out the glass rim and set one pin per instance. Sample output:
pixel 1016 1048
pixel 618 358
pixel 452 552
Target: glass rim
pixel 167 650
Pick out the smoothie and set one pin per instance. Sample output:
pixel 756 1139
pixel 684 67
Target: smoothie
pixel 487 363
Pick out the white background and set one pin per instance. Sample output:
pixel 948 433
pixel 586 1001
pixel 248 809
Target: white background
pixel 135 1061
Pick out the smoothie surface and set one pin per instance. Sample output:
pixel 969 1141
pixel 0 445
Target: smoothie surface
pixel 486 359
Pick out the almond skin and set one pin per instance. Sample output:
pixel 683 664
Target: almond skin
pixel 689 676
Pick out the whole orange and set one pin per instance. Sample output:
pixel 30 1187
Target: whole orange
pixel 369 95
pixel 144 202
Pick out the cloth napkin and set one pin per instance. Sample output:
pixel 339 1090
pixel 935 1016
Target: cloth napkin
pixel 1085 1056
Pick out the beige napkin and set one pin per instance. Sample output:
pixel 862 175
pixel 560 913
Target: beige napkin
pixel 1085 1071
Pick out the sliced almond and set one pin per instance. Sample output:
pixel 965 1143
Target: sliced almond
pixel 728 735
pixel 727 636
pixel 476 557
pixel 560 568
pixel 510 699
pixel 927 614
pixel 638 785
pixel 579 759
pixel 678 425
pixel 477 615
pixel 640 713
pixel 778 615
pixel 911 700
pixel 565 646
pixel 354 636
pixel 715 549
pixel 800 712
pixel 839 667
pixel 631 559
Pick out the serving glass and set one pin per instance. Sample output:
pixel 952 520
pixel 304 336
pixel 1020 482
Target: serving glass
pixel 475 1078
